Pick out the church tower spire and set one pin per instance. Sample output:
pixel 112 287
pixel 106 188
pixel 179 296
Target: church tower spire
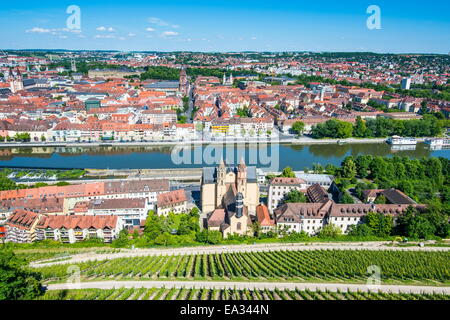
pixel 242 177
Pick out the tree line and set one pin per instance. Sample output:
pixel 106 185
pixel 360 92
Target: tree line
pixel 428 126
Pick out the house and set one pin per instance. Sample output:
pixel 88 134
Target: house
pixel 392 195
pixel 263 217
pixel 298 217
pixel 172 201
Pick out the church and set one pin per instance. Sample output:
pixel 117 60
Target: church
pixel 229 198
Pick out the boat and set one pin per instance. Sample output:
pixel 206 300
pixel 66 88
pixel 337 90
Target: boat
pixel 435 142
pixel 397 140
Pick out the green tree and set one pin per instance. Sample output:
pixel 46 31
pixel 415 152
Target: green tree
pixel 348 168
pixel 208 236
pixel 346 198
pixel 360 230
pixel 122 239
pixel 330 231
pixel 360 128
pixel 381 199
pixel 420 228
pixel 295 196
pixel 6 183
pixel 16 281
pixel 288 173
pixel 380 224
pixel 298 127
pixel 154 225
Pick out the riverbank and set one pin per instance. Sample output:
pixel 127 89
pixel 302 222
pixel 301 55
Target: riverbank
pixel 294 141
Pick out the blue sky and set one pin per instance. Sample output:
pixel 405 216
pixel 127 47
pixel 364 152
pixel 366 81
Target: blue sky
pixel 228 25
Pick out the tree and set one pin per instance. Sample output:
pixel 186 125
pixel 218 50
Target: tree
pixel 16 281
pixel 295 196
pixel 6 183
pixel 420 228
pixel 360 128
pixel 256 228
pixel 346 198
pixel 380 224
pixel 330 231
pixel 348 168
pixel 381 199
pixel 154 226
pixel 189 223
pixel 288 173
pixel 360 230
pixel 122 240
pixel 298 127
pixel 208 236
pixel 163 239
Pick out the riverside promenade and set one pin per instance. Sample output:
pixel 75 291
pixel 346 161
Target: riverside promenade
pixel 283 140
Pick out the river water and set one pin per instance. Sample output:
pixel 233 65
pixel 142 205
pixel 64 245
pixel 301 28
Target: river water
pixel 272 157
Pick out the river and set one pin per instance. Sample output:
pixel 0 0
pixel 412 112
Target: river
pixel 271 157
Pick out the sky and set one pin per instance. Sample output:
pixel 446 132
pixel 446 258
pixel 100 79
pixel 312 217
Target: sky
pixel 227 25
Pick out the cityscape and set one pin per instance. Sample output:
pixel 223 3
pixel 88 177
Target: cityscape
pixel 184 169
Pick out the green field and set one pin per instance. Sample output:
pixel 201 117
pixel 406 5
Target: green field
pixel 408 267
pixel 229 294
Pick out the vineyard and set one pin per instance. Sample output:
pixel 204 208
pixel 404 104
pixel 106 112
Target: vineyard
pixel 40 254
pixel 229 294
pixel 319 265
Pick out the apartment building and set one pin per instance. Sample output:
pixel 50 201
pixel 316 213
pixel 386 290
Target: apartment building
pixel 76 228
pixel 21 227
pixel 130 211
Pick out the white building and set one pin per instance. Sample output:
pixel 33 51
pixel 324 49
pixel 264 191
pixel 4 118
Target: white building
pixel 279 187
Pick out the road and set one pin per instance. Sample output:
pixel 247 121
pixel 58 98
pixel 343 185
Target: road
pixel 249 285
pixel 237 248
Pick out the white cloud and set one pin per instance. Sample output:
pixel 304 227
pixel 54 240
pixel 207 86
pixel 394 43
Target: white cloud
pixel 169 34
pixel 253 38
pixel 39 30
pixel 150 29
pixel 157 21
pixel 131 34
pixel 162 23
pixel 122 38
pixel 104 36
pixel 63 37
pixel 103 28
